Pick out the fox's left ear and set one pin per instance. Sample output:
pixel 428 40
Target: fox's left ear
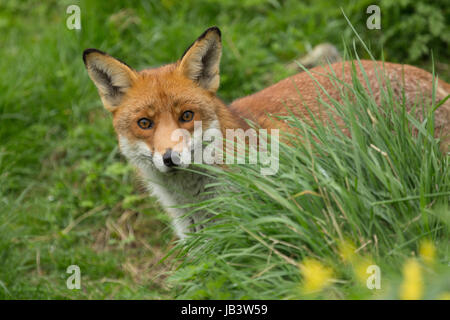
pixel 111 76
pixel 201 61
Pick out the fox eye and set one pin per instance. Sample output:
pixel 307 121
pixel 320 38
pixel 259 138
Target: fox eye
pixel 187 116
pixel 145 123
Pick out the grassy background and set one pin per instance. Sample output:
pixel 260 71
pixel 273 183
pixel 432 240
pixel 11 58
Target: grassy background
pixel 67 197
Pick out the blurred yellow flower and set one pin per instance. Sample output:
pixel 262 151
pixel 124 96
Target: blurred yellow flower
pixel 315 275
pixel 444 296
pixel 427 251
pixel 360 268
pixel 347 250
pixel 412 286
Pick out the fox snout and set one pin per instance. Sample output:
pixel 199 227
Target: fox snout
pixel 171 158
pixel 169 147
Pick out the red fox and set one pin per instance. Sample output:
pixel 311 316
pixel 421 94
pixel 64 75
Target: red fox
pixel 148 106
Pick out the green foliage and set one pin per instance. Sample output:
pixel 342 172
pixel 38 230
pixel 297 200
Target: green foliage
pixel 67 197
pixel 423 27
pixel 330 188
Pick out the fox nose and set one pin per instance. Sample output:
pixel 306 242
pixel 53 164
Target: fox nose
pixel 171 158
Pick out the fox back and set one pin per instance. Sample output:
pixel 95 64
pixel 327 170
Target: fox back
pixel 155 112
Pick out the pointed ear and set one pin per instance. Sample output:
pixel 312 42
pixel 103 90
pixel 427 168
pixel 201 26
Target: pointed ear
pixel 111 77
pixel 200 62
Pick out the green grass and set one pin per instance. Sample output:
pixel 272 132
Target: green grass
pixel 67 197
pixel 383 191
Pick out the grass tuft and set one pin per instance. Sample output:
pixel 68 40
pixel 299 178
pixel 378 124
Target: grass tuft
pixel 384 188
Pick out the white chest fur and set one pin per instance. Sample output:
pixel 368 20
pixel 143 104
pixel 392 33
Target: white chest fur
pixel 172 189
pixel 175 189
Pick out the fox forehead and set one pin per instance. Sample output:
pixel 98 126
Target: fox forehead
pixel 157 88
pixel 161 90
pixel 156 93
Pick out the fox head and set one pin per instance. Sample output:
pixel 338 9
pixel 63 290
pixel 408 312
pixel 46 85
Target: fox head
pixel 149 107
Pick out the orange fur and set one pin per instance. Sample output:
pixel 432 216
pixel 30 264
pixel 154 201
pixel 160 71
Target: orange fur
pixel 302 90
pixel 163 95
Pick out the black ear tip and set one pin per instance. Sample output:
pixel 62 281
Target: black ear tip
pixel 214 29
pixel 89 51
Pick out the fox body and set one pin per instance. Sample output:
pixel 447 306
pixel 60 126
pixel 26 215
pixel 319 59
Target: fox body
pixel 149 106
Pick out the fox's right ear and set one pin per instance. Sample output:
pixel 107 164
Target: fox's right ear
pixel 201 61
pixel 111 77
